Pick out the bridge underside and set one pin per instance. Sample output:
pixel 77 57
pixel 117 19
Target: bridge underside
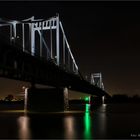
pixel 16 64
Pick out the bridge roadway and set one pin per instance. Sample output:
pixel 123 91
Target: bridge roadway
pixel 19 65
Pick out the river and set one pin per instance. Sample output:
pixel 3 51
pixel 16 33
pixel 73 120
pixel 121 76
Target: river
pixel 114 121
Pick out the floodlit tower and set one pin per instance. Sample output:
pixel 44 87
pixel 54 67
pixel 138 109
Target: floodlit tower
pixel 96 79
pixel 92 79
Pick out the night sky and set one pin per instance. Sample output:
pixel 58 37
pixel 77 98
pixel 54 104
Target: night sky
pixel 104 37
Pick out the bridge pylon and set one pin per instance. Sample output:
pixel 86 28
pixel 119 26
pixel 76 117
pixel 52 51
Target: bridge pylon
pixel 96 79
pixel 42 37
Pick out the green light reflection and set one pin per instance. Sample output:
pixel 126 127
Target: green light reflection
pixel 87 122
pixel 87 108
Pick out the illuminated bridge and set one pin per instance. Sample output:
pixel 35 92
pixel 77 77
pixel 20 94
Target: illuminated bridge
pixel 37 51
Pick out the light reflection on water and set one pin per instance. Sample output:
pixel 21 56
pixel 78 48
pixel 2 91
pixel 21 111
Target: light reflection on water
pixel 102 120
pixel 71 128
pixel 71 124
pixel 69 131
pixel 101 123
pixel 87 122
pixel 24 127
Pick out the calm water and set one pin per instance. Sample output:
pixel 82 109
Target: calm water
pixel 106 121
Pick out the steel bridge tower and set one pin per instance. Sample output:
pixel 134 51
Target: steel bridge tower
pixel 41 36
pixel 96 79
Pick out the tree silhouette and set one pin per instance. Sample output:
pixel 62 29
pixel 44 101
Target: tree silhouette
pixel 10 97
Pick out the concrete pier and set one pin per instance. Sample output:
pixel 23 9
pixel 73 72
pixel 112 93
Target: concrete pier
pixel 47 99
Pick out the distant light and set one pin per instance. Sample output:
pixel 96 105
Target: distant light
pixel 23 87
pixel 87 99
pixel 12 38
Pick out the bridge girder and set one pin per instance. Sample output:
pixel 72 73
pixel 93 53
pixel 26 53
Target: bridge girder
pixel 16 64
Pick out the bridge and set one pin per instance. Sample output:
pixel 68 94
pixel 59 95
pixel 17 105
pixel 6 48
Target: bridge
pixel 37 51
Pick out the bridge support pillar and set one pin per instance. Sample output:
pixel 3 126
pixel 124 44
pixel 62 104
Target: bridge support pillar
pixel 47 99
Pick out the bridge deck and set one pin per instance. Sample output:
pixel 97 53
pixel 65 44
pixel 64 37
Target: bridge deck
pixel 16 64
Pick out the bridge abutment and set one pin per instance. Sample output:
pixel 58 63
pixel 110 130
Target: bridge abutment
pixel 47 99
